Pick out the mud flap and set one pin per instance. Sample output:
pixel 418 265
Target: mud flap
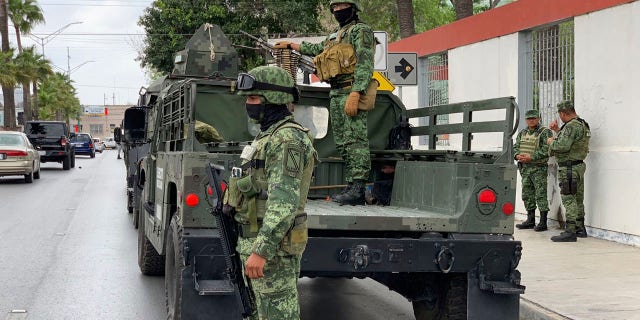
pixel 501 301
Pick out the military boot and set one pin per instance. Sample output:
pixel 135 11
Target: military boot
pixel 334 197
pixel 542 225
pixel 354 196
pixel 581 232
pixel 530 222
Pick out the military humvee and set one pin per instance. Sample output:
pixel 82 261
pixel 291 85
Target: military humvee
pixel 445 241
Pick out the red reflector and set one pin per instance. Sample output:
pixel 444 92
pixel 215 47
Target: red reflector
pixel 487 196
pixel 191 200
pixel 508 209
pixel 223 187
pixel 13 153
pixel 209 190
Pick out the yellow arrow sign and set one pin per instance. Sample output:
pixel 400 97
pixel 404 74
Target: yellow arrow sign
pixel 383 83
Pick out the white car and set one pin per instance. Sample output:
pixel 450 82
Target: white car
pixel 110 143
pixel 18 157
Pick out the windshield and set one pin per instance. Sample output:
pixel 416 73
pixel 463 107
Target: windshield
pixel 80 138
pixel 11 140
pixel 46 129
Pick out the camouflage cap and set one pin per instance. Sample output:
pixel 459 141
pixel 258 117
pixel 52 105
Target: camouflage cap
pixel 274 76
pixel 532 114
pixel 354 3
pixel 565 105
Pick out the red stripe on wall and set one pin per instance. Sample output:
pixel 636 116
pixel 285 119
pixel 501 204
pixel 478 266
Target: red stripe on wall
pixel 508 19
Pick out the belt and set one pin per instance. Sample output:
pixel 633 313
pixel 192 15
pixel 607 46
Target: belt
pixel 535 164
pixel 570 163
pixel 256 164
pixel 340 85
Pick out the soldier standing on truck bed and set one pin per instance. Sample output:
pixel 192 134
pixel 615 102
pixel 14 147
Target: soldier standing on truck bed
pixel 352 91
pixel 270 192
pixel 571 148
pixel 532 153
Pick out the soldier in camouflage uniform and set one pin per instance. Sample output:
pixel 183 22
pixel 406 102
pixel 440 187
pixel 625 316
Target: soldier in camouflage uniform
pixel 276 174
pixel 350 80
pixel 532 154
pixel 570 148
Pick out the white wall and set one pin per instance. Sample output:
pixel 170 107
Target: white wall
pixel 607 95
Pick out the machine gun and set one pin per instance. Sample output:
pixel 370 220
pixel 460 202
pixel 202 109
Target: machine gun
pixel 287 59
pixel 229 239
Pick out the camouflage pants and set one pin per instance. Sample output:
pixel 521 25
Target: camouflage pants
pixel 276 293
pixel 534 187
pixel 574 203
pixel 350 135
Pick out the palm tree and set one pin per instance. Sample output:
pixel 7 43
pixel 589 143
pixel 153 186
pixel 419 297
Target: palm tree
pixel 26 72
pixel 25 14
pixel 405 18
pixel 43 70
pixel 464 8
pixel 7 55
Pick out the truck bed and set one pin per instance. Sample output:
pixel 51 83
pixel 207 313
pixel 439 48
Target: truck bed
pixel 322 214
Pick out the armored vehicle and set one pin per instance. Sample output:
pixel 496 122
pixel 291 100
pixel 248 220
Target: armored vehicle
pixel 444 241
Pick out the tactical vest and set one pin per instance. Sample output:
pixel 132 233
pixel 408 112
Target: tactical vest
pixel 248 194
pixel 338 56
pixel 580 147
pixel 530 141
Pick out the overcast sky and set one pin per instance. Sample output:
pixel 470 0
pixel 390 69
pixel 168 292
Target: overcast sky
pixel 108 35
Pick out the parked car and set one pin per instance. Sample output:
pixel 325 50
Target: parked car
pixel 51 139
pixel 83 142
pixel 18 157
pixel 98 145
pixel 110 143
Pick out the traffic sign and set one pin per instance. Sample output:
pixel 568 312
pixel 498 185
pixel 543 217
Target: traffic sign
pixel 380 56
pixel 401 68
pixel 383 82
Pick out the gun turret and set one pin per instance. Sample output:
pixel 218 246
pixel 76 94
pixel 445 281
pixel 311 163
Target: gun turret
pixel 208 53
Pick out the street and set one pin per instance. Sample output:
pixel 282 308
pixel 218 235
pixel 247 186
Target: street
pixel 68 251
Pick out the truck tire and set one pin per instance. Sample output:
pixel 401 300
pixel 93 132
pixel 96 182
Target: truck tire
pixel 451 304
pixel 151 263
pixel 66 162
pixel 174 265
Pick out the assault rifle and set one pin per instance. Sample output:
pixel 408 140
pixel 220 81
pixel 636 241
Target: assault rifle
pixel 299 60
pixel 229 239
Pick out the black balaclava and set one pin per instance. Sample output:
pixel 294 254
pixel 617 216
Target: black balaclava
pixel 346 15
pixel 267 114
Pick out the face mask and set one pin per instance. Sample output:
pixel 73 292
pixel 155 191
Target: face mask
pixel 344 16
pixel 255 111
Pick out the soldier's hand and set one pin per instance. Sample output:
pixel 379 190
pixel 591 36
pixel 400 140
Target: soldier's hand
pixel 550 140
pixel 554 126
pixel 525 157
pixel 282 45
pixel 255 266
pixel 351 107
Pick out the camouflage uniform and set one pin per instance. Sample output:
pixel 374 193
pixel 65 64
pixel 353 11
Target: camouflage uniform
pixel 350 133
pixel 272 219
pixel 534 173
pixel 571 148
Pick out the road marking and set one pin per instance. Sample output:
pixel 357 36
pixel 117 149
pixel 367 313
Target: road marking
pixel 17 315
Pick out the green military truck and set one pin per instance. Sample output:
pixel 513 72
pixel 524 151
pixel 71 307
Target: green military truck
pixel 445 241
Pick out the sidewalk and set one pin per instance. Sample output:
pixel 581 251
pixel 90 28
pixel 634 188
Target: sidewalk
pixel 585 280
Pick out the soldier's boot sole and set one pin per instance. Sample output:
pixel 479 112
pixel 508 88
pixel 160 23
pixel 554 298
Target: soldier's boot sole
pixel 526 225
pixel 540 227
pixel 565 237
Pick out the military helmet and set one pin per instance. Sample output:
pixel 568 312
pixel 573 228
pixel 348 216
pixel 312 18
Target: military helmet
pixel 273 83
pixel 565 105
pixel 354 3
pixel 533 113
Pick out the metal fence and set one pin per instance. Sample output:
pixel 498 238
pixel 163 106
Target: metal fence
pixel 550 69
pixel 437 91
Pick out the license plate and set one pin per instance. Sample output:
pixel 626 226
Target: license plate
pixel 42 153
pixel 3 156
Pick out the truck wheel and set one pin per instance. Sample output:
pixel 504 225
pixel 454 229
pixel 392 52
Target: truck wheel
pixel 130 201
pixel 173 270
pixel 151 263
pixel 66 162
pixel 451 304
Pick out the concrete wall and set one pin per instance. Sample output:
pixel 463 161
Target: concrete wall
pixel 607 46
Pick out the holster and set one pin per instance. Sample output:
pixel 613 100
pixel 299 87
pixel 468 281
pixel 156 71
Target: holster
pixel 569 186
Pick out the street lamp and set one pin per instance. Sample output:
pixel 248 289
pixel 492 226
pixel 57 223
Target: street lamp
pixel 46 39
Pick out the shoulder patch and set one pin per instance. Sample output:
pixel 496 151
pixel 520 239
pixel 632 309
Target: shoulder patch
pixel 293 163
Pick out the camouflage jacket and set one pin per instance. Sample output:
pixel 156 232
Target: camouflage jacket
pixel 289 159
pixel 572 142
pixel 541 154
pixel 364 43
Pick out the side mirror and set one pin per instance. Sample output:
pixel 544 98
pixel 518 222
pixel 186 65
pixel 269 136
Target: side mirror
pixel 117 134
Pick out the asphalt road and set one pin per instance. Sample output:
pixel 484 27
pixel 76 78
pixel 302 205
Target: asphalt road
pixel 68 251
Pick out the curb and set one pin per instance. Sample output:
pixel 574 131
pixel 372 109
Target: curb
pixel 530 310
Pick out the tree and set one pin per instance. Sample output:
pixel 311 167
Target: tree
pixel 169 24
pixel 24 14
pixel 405 16
pixel 26 72
pixel 7 88
pixel 464 8
pixel 57 96
pixel 43 70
